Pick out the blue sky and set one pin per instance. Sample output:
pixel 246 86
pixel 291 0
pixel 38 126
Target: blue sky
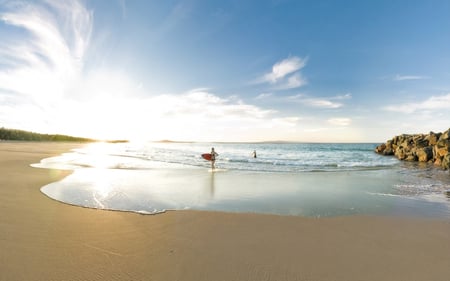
pixel 319 71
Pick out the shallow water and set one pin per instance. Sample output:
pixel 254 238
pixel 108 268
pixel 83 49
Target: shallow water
pixel 288 179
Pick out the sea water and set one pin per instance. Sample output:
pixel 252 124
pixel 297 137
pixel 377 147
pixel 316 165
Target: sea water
pixel 285 178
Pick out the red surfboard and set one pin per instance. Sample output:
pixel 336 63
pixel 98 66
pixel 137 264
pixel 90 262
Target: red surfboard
pixel 207 156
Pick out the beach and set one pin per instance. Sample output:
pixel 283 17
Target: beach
pixel 43 239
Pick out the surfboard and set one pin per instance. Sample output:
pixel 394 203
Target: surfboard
pixel 207 156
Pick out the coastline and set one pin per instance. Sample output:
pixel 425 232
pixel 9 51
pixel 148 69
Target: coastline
pixel 42 239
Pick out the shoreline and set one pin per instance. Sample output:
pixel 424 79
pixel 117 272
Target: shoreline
pixel 44 239
pixel 112 178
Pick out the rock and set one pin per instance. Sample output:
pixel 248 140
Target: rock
pixel 446 162
pixel 433 138
pixel 442 147
pixel 388 151
pixel 380 149
pixel 438 162
pixel 400 153
pixel 420 141
pixel 424 154
pixel 385 149
pixel 432 147
pixel 445 135
pixel 411 157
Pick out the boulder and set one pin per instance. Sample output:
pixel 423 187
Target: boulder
pixel 380 149
pixel 438 162
pixel 446 162
pixel 411 157
pixel 433 138
pixel 432 147
pixel 445 135
pixel 388 151
pixel 424 154
pixel 400 153
pixel 420 141
pixel 442 147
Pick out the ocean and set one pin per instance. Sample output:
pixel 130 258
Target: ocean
pixel 301 179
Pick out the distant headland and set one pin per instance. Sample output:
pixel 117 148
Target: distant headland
pixel 432 147
pixel 21 135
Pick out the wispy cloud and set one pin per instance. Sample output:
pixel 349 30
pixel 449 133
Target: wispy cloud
pixel 41 63
pixel 409 77
pixel 287 121
pixel 283 68
pixel 44 88
pixel 432 103
pixel 340 121
pixel 322 103
pixel 263 96
pixel 326 103
pixel 196 114
pixel 296 80
pixel 44 51
pixel 203 103
pixel 286 74
pixel 343 97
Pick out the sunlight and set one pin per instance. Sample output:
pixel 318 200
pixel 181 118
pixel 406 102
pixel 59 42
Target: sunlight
pixel 98 156
pixel 101 187
pixel 99 163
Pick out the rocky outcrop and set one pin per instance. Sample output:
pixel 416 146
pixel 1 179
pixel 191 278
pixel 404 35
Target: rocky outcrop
pixel 432 147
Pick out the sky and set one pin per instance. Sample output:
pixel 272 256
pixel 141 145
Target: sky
pixel 194 70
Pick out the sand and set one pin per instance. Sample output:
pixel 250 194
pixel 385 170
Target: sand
pixel 42 239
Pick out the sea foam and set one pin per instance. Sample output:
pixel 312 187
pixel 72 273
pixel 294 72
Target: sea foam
pixel 289 179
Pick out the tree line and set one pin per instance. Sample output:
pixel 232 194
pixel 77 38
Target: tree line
pixel 20 135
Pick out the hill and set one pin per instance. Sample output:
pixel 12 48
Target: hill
pixel 20 135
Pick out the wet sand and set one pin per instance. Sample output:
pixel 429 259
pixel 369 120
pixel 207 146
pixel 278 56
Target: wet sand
pixel 42 239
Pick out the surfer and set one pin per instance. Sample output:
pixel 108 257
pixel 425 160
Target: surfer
pixel 254 154
pixel 213 158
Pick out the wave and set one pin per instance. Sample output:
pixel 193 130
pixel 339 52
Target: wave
pixel 384 194
pixel 274 158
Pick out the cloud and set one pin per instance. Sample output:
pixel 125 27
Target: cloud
pixel 340 121
pixel 283 68
pixel 202 104
pixel 322 103
pixel 286 121
pixel 195 115
pixel 432 103
pixel 296 80
pixel 409 77
pixel 315 130
pixel 326 103
pixel 44 88
pixel 343 97
pixel 285 74
pixel 105 112
pixel 263 96
pixel 50 52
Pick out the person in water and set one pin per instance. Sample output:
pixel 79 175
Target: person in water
pixel 254 154
pixel 213 158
